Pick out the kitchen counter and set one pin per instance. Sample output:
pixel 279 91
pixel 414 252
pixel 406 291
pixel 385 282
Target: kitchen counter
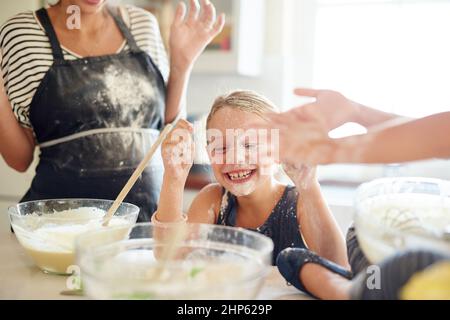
pixel 20 279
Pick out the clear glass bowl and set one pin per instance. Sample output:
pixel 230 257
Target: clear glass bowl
pixel 184 261
pixel 395 214
pixel 47 228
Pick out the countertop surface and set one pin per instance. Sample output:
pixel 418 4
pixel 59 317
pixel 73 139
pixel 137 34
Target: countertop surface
pixel 20 279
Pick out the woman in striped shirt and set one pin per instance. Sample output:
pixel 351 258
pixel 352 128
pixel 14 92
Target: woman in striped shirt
pixel 89 84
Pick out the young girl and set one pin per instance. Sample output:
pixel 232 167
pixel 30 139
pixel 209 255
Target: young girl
pixel 246 193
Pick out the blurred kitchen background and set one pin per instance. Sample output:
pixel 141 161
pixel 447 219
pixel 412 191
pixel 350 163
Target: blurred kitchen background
pixel 390 54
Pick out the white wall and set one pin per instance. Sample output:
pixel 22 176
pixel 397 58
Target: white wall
pixel 9 8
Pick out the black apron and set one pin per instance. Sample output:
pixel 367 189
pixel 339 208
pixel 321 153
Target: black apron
pixel 94 119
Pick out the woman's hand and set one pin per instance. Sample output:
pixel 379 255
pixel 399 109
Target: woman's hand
pixel 190 35
pixel 178 151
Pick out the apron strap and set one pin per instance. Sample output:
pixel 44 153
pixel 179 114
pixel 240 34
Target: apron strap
pixel 51 34
pixel 124 29
pixel 91 132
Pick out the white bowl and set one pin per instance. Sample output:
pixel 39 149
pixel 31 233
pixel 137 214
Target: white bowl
pixel 396 214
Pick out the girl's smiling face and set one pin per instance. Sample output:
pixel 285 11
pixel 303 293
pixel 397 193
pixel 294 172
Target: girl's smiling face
pixel 239 155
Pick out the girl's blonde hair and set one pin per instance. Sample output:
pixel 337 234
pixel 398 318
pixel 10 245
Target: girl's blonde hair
pixel 245 100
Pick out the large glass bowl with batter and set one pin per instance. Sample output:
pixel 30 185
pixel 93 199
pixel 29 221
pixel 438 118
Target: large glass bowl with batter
pixel 180 261
pixel 47 228
pixel 396 214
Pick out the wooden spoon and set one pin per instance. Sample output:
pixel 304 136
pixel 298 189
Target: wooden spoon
pixel 136 174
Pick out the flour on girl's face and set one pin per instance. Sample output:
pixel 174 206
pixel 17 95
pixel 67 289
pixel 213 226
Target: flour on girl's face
pixel 127 91
pixel 242 189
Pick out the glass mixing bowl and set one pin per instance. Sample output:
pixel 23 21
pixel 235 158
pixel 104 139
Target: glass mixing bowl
pixel 47 228
pixel 395 214
pixel 181 261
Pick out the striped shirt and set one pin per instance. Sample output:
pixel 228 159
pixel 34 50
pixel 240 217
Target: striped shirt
pixel 26 55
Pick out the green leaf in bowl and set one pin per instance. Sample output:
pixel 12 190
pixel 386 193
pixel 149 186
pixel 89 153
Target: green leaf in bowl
pixel 195 271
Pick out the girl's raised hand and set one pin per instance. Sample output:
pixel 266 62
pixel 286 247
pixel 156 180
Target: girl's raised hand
pixel 178 150
pixel 302 175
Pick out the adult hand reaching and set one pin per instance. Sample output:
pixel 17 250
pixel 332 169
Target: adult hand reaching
pixel 302 139
pixel 332 107
pixel 303 133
